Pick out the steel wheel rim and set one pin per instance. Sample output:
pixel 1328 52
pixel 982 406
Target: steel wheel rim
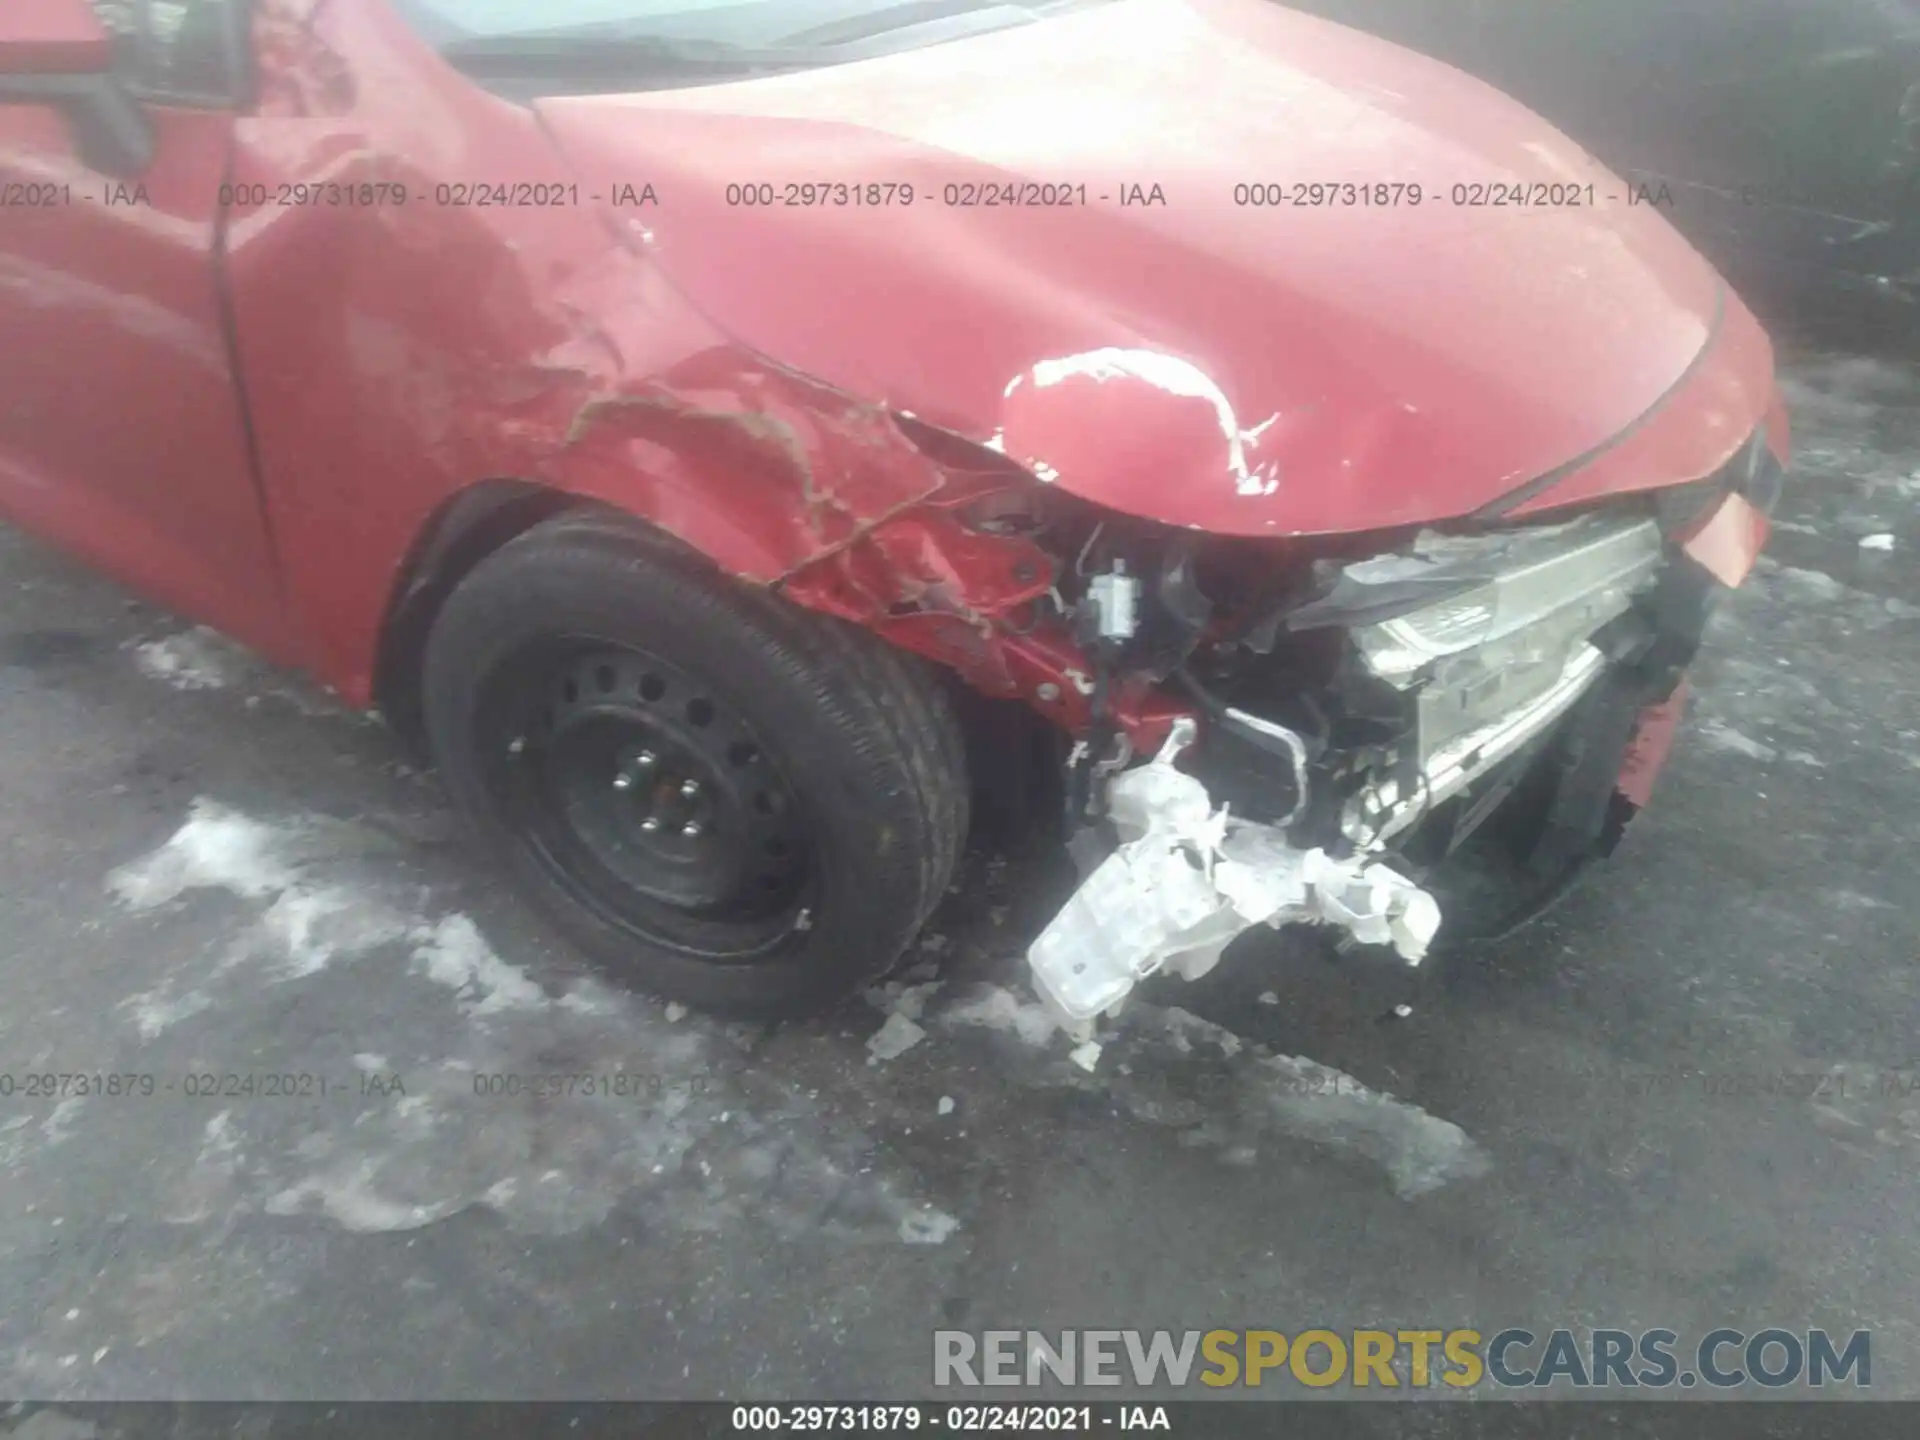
pixel 645 793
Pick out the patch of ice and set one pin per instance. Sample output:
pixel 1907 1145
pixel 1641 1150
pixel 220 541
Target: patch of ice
pixel 1183 1027
pixel 1420 1152
pixel 927 1226
pixel 58 1124
pixel 155 1012
pixel 306 928
pixel 1854 900
pixel 697 1145
pixel 216 849
pixel 900 998
pixel 13 1147
pixel 217 1136
pixel 207 1187
pixel 205 660
pixel 1291 1095
pixel 454 953
pixel 197 659
pixel 1862 379
pixel 1814 585
pixel 1086 1055
pixel 310 920
pixel 945 1107
pixel 1879 541
pixel 1724 737
pixel 893 1039
pixel 350 1201
pixel 994 1007
pixel 590 999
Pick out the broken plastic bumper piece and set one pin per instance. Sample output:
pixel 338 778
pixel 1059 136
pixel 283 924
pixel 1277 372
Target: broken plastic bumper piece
pixel 1188 878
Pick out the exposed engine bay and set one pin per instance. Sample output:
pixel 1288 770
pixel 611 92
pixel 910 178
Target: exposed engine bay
pixel 1359 706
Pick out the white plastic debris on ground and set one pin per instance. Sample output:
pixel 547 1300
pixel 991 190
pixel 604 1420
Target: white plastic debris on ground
pixel 1188 878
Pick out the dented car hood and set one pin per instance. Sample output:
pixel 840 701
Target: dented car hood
pixel 1157 347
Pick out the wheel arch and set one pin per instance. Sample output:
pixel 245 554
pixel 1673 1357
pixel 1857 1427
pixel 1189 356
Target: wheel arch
pixel 462 532
pixel 478 520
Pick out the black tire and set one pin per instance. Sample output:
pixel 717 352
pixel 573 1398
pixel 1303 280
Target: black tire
pixel 831 761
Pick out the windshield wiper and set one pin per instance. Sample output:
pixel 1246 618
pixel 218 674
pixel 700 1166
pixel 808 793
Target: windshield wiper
pixel 573 55
pixel 596 52
pixel 905 16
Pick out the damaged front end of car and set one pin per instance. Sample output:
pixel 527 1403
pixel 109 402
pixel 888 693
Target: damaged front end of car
pixel 1387 507
pixel 1269 729
pixel 1352 709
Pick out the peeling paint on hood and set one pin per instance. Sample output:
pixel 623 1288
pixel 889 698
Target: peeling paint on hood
pixel 1166 376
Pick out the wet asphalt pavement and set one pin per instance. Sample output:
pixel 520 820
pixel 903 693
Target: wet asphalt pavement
pixel 1682 1101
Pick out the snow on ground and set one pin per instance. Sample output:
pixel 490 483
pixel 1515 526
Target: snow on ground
pixel 486 1121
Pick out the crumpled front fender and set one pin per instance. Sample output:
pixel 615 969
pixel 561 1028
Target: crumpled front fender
pixel 785 481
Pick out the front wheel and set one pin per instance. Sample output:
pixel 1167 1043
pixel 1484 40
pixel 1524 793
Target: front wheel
pixel 721 798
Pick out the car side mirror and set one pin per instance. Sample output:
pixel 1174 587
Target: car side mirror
pixel 56 52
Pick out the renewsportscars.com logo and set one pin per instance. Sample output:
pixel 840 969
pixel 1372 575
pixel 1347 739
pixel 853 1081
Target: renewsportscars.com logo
pixel 1772 1357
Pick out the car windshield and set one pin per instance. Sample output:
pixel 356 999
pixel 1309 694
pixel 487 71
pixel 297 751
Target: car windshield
pixel 638 44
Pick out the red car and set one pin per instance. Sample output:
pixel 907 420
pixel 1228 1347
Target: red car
pixel 678 416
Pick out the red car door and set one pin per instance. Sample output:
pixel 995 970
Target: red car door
pixel 123 432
